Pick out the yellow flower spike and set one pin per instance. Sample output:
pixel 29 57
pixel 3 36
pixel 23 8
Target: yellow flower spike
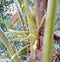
pixel 17 32
pixel 36 14
pixel 29 17
pixel 35 44
pixel 23 39
pixel 43 18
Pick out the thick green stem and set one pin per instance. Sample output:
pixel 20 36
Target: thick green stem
pixel 30 26
pixel 9 46
pixel 49 28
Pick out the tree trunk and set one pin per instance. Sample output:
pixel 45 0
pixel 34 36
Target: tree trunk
pixel 41 6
